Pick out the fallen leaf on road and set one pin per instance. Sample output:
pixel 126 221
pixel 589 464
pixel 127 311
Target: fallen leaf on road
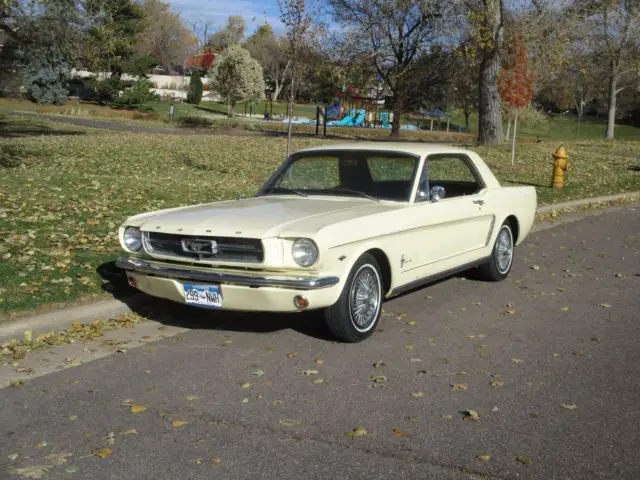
pixel 198 461
pixel 457 373
pixel 36 471
pixel 516 360
pixel 103 452
pixel 378 380
pixel 318 381
pixel 447 417
pixel 58 458
pixel 215 460
pixel 110 438
pixel 412 323
pixel 535 267
pixel 471 415
pixel 137 408
pixel 379 363
pixel 410 346
pixel 413 419
pixel 12 456
pixel 292 354
pixel 318 361
pixel 73 418
pixel 525 460
pixel 399 433
pixel 311 371
pixel 459 387
pixel 604 305
pixel 191 397
pixel 258 373
pixel 496 381
pixel 484 458
pixel 510 311
pixel 131 431
pixel 287 422
pixel 415 360
pixel 246 385
pixel 495 409
pixel 41 444
pixel 534 415
pixel 579 353
pixel 417 394
pixel 357 432
pixel 564 309
pixel 555 354
pixel 277 402
pixel 569 406
pixel 178 423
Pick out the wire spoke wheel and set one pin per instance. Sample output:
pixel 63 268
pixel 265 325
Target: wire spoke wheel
pixel 364 298
pixel 504 250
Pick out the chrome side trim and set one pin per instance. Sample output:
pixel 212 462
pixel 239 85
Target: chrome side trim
pixel 299 283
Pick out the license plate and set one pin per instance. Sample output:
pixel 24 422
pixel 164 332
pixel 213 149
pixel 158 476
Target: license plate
pixel 203 295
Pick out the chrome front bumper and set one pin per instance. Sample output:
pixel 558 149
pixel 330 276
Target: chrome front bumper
pixel 297 283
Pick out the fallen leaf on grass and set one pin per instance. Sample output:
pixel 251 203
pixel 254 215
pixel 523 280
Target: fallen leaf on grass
pixel 36 471
pixel 569 406
pixel 287 422
pixel 471 415
pixel 178 423
pixel 137 408
pixel 525 460
pixel 459 387
pixel 357 432
pixel 484 458
pixel 400 433
pixel 103 452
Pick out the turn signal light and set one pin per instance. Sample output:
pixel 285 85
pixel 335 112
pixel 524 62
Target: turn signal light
pixel 300 302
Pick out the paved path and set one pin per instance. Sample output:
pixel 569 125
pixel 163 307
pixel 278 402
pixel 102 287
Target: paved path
pixel 562 330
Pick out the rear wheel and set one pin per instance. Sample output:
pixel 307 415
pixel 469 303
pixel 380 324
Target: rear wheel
pixel 499 264
pixel 355 315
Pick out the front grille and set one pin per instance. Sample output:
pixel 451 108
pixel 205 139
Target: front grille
pixel 228 249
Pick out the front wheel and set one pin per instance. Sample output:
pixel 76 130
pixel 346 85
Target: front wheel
pixel 355 315
pixel 499 264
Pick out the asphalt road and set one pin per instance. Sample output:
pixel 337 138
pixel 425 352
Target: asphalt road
pixel 562 330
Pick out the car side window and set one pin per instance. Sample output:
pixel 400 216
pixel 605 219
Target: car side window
pixel 454 173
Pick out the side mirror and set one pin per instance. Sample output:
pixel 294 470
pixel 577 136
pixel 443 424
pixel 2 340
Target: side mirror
pixel 436 193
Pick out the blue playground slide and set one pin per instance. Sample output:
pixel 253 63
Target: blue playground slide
pixel 360 118
pixel 345 122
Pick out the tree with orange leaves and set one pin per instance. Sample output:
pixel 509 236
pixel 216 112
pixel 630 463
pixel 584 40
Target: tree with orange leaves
pixel 515 83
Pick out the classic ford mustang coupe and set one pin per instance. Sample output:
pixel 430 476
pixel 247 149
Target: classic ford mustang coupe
pixel 340 227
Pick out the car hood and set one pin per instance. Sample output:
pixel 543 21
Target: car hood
pixel 258 217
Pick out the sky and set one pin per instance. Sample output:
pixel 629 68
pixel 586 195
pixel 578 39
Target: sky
pixel 215 12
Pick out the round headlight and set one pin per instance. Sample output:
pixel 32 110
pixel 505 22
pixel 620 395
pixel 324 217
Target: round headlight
pixel 304 252
pixel 132 239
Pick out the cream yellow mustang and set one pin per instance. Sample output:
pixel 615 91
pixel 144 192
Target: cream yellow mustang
pixel 339 228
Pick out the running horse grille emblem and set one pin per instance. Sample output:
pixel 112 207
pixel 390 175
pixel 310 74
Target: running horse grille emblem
pixel 190 245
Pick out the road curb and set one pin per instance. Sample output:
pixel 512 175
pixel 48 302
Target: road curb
pixel 109 308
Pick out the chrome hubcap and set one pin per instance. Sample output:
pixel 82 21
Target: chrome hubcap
pixel 364 298
pixel 504 250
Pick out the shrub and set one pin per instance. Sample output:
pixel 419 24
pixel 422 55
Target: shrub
pixel 46 78
pixel 137 95
pixel 195 89
pixel 11 156
pixel 195 122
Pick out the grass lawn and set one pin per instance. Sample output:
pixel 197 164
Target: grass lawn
pixel 60 209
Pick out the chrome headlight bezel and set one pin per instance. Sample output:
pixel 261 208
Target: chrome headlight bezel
pixel 132 239
pixel 304 252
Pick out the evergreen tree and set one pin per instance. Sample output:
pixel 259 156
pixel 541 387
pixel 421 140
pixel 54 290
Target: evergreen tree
pixel 195 89
pixel 46 77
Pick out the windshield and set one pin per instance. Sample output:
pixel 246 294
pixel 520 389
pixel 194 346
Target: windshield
pixel 358 173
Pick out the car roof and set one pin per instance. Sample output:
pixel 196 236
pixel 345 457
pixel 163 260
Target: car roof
pixel 416 148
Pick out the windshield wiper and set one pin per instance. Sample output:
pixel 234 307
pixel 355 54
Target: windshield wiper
pixel 285 190
pixel 351 190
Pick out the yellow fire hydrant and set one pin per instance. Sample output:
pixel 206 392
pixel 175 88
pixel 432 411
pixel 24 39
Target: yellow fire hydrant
pixel 560 166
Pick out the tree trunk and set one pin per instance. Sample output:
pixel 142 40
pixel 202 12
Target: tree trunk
pixel 232 109
pixel 276 91
pixel 508 129
pixel 467 114
pixel 397 112
pixel 290 110
pixel 513 142
pixel 611 120
pixel 489 111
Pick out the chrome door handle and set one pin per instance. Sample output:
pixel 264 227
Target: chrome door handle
pixel 479 202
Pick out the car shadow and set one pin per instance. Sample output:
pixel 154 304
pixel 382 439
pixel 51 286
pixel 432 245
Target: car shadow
pixel 114 281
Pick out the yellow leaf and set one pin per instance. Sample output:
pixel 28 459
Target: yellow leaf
pixel 417 394
pixel 58 458
pixel 412 323
pixel 410 346
pixel 564 309
pixel 103 452
pixel 471 415
pixel 357 432
pixel 319 361
pixel 604 305
pixel 569 406
pixel 287 422
pixel 399 433
pixel 317 381
pixel 524 460
pixel 484 458
pixel 216 460
pixel 137 408
pixel 36 471
pixel 178 423
pixel 131 431
pixel 292 355
pixel 459 387
pixel 312 371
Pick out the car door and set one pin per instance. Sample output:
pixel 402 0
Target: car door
pixel 453 229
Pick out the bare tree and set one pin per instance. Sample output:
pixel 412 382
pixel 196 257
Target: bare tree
pixel 615 34
pixel 296 19
pixel 231 34
pixel 201 29
pixel 271 52
pixel 395 33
